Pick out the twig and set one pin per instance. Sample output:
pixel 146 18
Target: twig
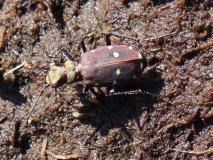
pixel 189 120
pixel 199 48
pixel 192 50
pixel 34 105
pixel 71 156
pixel 16 68
pixel 123 36
pixel 196 153
pixel 44 152
pixel 162 36
pixel 44 146
pixel 80 115
pixel 3 34
pixel 46 53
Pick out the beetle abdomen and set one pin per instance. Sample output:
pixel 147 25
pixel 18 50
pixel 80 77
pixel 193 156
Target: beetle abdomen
pixel 111 65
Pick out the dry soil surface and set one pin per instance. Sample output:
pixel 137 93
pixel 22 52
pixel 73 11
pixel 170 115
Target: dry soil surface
pixel 172 116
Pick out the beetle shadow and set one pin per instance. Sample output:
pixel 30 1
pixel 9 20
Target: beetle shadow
pixel 10 91
pixel 115 110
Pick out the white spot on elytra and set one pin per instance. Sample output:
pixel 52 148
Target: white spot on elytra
pixel 110 47
pixel 139 55
pixel 134 76
pixel 130 47
pixel 116 54
pixel 92 51
pixel 141 66
pixel 114 82
pixel 118 72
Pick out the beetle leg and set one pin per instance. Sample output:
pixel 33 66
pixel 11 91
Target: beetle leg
pixel 85 89
pixel 107 38
pixel 98 92
pixel 95 93
pixel 92 96
pixel 84 49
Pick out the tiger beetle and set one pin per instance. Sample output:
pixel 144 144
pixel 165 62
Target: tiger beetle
pixel 108 66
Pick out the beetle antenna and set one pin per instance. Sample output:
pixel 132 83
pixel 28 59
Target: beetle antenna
pixel 126 37
pixel 46 53
pixel 83 46
pixel 36 101
pixel 65 53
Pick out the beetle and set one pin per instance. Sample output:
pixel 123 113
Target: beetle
pixel 107 66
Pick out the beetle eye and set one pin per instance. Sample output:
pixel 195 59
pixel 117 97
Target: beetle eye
pixel 71 72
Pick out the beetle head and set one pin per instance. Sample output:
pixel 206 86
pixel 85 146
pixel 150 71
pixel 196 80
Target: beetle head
pixel 58 73
pixel 55 74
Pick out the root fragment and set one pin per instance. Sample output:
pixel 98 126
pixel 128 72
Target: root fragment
pixel 44 152
pixel 16 68
pixel 196 153
pixel 190 51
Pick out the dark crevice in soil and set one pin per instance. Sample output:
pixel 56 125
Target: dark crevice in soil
pixel 57 9
pixel 10 91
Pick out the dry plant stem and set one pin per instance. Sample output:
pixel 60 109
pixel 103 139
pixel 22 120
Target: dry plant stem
pixel 46 53
pixel 16 68
pixel 184 122
pixel 123 36
pixel 191 50
pixel 205 46
pixel 137 39
pixel 71 156
pixel 44 152
pixel 44 146
pixel 196 153
pixel 199 48
pixel 162 36
pixel 3 34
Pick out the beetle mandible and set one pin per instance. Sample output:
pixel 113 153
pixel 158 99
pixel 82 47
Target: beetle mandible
pixel 107 66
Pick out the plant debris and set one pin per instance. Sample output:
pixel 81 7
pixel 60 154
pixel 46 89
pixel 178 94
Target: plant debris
pixel 45 151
